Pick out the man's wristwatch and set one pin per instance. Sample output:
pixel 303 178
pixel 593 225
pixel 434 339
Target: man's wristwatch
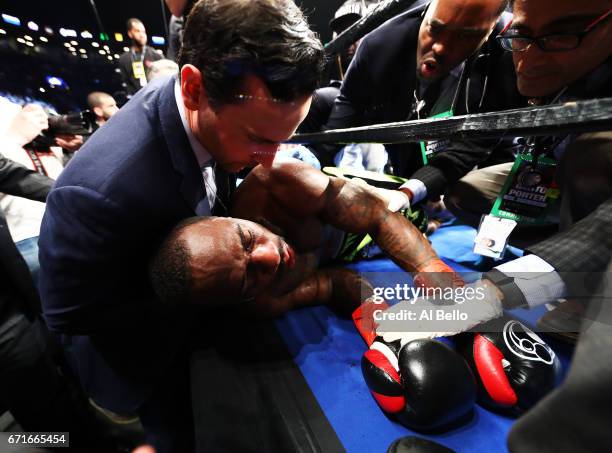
pixel 513 296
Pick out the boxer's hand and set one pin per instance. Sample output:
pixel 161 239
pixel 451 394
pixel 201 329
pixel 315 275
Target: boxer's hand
pixel 27 125
pixel 433 317
pixel 70 143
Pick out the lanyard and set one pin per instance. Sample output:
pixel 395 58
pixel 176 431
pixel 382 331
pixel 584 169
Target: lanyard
pixel 142 55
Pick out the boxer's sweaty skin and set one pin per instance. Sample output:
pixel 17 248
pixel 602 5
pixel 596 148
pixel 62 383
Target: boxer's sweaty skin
pixel 296 201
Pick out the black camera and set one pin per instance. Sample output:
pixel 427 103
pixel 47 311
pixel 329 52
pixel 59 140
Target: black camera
pixel 80 123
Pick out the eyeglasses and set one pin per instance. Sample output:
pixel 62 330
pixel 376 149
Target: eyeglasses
pixel 558 42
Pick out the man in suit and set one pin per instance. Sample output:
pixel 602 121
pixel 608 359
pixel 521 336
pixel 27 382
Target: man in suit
pixel 247 74
pixel 134 63
pixel 427 61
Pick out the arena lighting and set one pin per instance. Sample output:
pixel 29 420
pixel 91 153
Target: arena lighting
pixel 67 44
pixel 118 37
pixel 21 40
pixel 116 56
pixel 68 33
pixel 43 39
pixel 82 50
pixel 95 44
pixel 110 58
pixel 28 37
pixel 33 26
pixel 42 90
pixel 55 81
pixel 102 52
pixel 74 43
pixel 105 47
pixel 2 32
pixel 103 37
pixel 83 56
pixel 159 40
pixel 86 35
pixel 28 43
pixel 48 30
pixel 11 20
pixel 126 49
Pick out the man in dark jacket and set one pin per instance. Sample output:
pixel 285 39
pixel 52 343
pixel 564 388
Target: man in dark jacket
pixel 428 61
pixel 31 386
pixel 133 64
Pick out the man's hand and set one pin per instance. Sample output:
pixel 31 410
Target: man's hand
pixel 27 125
pixel 439 317
pixel 70 143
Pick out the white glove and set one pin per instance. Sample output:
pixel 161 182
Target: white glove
pixel 440 316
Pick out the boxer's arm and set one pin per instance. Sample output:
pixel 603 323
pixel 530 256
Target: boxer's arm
pixel 304 191
pixel 342 289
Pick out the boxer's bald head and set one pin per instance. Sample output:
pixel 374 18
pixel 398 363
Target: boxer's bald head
pixel 216 261
pixel 542 73
pixel 451 31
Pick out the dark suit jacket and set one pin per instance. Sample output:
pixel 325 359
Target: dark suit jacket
pixel 17 291
pixel 132 181
pixel 380 84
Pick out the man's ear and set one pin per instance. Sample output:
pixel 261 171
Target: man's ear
pixel 98 112
pixel 192 87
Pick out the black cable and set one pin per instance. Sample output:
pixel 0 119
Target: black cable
pixel 379 15
pixel 95 11
pixel 163 8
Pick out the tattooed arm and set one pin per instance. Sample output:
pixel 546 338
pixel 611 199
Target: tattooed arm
pixel 303 191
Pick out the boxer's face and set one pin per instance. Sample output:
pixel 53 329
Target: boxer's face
pixel 451 31
pixel 542 73
pixel 236 258
pixel 245 133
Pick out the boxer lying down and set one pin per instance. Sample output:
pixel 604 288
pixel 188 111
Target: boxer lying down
pixel 275 252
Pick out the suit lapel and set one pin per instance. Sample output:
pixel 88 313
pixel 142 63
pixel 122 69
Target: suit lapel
pixel 183 159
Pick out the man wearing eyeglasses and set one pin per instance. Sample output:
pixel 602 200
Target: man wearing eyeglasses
pixel 562 52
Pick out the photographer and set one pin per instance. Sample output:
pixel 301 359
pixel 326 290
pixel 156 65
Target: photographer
pixel 19 128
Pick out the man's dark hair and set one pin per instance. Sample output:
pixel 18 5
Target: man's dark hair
pixel 230 39
pixel 169 270
pixel 130 23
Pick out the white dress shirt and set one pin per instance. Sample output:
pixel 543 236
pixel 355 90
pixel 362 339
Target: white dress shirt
pixel 204 158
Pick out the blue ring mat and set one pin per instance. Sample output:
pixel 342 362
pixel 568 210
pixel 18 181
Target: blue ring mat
pixel 328 351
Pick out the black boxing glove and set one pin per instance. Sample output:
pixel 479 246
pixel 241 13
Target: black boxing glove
pixel 412 444
pixel 424 385
pixel 514 368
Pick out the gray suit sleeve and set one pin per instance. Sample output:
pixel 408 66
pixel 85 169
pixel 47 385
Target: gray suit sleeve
pixel 585 247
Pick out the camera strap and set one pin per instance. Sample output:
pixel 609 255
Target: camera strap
pixel 40 168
